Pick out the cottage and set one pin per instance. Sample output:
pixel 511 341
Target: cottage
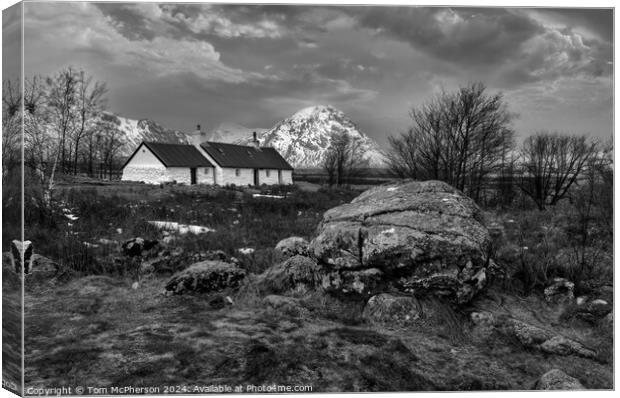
pixel 207 163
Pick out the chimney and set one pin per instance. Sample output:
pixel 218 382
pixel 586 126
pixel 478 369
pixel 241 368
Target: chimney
pixel 255 141
pixel 198 136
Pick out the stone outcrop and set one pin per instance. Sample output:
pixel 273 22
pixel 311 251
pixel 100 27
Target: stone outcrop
pixel 555 379
pixel 206 277
pixel 292 246
pixel 418 237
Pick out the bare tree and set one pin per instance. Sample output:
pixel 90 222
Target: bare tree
pixel 458 137
pixel 61 100
pixel 344 159
pixel 550 164
pixel 108 141
pixel 90 101
pixel 11 128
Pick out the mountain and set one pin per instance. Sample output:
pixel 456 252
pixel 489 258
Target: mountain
pixel 304 138
pixel 136 131
pixel 231 133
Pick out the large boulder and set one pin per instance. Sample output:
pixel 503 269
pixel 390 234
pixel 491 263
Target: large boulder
pixel 555 379
pixel 424 237
pixel 292 246
pixel 206 277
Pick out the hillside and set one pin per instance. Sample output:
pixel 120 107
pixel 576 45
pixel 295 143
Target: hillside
pixel 135 131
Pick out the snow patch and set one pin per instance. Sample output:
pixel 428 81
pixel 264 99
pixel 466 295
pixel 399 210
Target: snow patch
pixel 181 228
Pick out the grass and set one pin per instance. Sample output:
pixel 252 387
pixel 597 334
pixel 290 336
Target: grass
pixel 94 329
pixel 240 221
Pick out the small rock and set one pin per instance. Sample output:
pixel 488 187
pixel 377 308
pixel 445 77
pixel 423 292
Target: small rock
pixel 363 283
pixel 389 309
pixel 292 246
pixel 206 277
pixel 560 345
pixel 560 291
pixel 581 300
pixel 484 319
pixel 135 285
pixel 137 246
pixel 22 254
pixel 555 379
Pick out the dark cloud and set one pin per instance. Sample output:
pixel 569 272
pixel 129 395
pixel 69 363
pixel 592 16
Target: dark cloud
pixel 468 36
pixel 181 64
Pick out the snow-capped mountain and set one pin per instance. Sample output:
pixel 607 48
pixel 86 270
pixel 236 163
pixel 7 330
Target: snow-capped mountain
pixel 231 133
pixel 304 138
pixel 135 131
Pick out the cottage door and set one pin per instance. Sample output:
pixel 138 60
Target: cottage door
pixel 256 182
pixel 192 173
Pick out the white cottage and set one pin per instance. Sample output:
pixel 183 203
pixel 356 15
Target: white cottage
pixel 247 165
pixel 208 163
pixel 156 162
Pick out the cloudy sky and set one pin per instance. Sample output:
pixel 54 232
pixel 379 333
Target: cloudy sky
pixel 183 64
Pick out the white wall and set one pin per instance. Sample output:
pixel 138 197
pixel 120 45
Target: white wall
pixel 264 179
pixel 205 175
pixel 287 177
pixel 246 177
pixel 144 157
pixel 179 174
pixel 147 174
pixel 144 166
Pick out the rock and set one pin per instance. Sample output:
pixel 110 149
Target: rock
pixel 364 283
pixel 591 311
pixel 560 345
pixel 484 319
pixel 290 274
pixel 427 233
pixel 206 277
pixel 528 335
pixel 287 305
pixel 292 246
pixel 136 247
pixel 392 310
pixel 581 300
pixel 169 262
pixel 560 291
pixel 22 254
pixel 546 341
pixel 555 379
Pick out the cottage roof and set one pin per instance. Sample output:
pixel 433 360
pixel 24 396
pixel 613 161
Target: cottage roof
pixel 175 155
pixel 241 156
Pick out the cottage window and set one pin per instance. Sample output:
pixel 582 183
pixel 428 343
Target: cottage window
pixel 237 172
pixel 207 170
pixel 268 172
